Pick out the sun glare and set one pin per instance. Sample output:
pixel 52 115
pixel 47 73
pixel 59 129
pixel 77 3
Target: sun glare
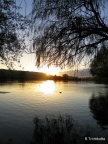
pixel 47 87
pixel 52 70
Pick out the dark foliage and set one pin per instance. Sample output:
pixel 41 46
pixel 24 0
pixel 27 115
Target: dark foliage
pixel 99 65
pixel 65 76
pixel 65 31
pixel 62 130
pixel 12 23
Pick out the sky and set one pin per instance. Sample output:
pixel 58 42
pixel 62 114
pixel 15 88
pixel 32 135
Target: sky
pixel 28 60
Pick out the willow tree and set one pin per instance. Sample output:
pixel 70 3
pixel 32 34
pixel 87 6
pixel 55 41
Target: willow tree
pixel 12 24
pixel 99 65
pixel 65 31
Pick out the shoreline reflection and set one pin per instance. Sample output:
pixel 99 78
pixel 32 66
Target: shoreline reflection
pixel 99 108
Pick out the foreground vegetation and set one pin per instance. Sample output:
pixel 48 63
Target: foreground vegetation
pixel 62 130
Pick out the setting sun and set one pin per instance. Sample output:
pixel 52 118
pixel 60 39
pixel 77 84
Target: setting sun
pixel 52 70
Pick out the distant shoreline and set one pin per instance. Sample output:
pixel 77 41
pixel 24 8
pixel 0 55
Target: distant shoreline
pixel 27 75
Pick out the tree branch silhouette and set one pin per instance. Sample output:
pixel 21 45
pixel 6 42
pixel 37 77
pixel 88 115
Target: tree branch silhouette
pixel 65 31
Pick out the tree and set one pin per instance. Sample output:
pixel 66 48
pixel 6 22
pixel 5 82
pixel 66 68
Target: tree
pixel 69 30
pixel 11 25
pixel 65 76
pixel 99 65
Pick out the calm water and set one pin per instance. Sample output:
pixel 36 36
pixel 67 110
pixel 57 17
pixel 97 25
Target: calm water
pixel 21 102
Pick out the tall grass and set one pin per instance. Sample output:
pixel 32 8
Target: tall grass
pixel 60 130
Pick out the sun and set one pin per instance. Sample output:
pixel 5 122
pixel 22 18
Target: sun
pixel 52 70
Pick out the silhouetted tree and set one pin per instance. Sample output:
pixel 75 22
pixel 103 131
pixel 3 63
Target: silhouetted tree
pixel 99 65
pixel 11 25
pixel 65 76
pixel 69 29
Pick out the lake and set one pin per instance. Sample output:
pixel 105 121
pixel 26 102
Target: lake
pixel 20 102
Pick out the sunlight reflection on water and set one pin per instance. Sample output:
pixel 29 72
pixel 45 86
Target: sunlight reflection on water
pixel 24 100
pixel 47 87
